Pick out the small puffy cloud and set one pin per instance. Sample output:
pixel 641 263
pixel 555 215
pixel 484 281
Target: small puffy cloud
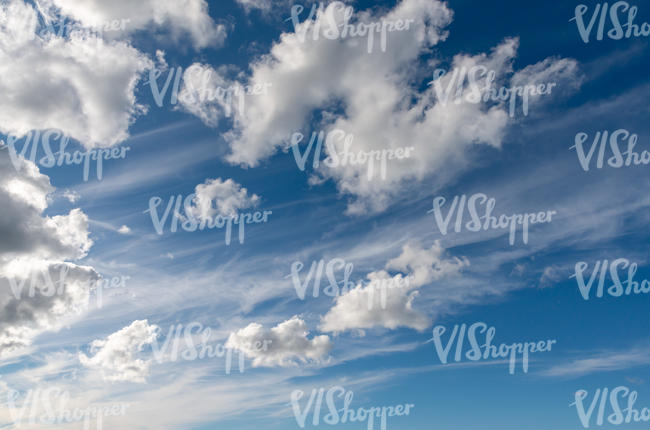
pixel 114 356
pixel 219 197
pixel 287 343
pixel 124 230
pixel 387 301
pixel 426 265
pixel 82 85
pixel 71 195
pixel 381 303
pixel 179 18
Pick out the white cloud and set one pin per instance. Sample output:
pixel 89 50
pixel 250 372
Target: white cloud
pixel 264 5
pixel 277 8
pixel 286 343
pixel 124 230
pixel 208 94
pixel 550 276
pixel 82 86
pixel 179 18
pixel 603 362
pixel 368 306
pixel 225 198
pixel 426 265
pixel 71 195
pixel 382 107
pixel 382 303
pixel 39 291
pixel 114 356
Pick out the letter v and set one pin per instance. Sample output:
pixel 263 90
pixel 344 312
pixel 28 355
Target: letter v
pixel 301 417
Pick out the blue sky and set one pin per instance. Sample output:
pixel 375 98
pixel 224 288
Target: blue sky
pixel 94 89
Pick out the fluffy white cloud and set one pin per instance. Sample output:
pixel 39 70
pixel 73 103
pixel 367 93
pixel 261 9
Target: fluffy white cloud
pixel 39 290
pixel 82 85
pixel 286 343
pixel 114 356
pixel 387 301
pixel 426 265
pixel 376 99
pixel 219 197
pixel 379 303
pixel 208 94
pixel 124 230
pixel 178 17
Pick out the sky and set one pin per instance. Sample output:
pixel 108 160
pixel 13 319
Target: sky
pixel 256 214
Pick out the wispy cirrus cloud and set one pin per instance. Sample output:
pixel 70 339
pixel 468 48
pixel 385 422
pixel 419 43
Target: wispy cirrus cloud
pixel 606 361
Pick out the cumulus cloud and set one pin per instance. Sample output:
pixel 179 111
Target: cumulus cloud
pixel 219 197
pixel 377 99
pixel 426 265
pixel 39 289
pixel 179 18
pixel 124 230
pixel 83 85
pixel 209 94
pixel 387 301
pixel 114 356
pixel 374 305
pixel 287 343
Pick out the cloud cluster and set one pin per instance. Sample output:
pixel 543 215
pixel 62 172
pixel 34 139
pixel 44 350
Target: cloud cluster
pixel 115 355
pixel 377 99
pixel 288 344
pixel 39 289
pixel 83 86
